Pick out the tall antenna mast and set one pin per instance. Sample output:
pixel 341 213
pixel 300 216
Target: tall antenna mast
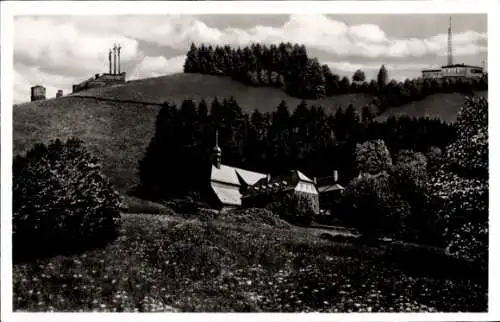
pixel 450 49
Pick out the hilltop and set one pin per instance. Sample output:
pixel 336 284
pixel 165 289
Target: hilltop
pixel 117 122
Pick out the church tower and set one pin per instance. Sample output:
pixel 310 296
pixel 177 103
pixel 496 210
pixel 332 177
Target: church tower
pixel 216 152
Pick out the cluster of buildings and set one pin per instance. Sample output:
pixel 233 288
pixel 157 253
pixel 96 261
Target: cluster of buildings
pixel 114 77
pixel 451 70
pixel 234 187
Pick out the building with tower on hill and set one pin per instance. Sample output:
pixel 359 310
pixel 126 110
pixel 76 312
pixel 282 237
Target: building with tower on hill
pixel 453 70
pixel 114 77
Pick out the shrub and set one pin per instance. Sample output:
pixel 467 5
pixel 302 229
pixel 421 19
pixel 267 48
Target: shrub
pixel 293 208
pixel 254 216
pixel 372 206
pixel 372 157
pixel 61 200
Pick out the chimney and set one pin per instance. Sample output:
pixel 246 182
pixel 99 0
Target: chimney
pixel 335 176
pixel 315 180
pixel 268 177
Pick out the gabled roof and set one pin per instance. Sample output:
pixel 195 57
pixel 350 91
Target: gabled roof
pixel 249 177
pixel 330 187
pixel 302 176
pixel 226 181
pixel 327 184
pixel 235 176
pixel 227 194
pixel 224 174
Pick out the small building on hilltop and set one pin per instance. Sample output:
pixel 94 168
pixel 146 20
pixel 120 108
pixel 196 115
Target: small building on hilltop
pixel 452 70
pixel 59 93
pixel 227 182
pixel 37 93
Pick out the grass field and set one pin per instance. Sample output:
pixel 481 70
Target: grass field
pixel 444 106
pixel 244 268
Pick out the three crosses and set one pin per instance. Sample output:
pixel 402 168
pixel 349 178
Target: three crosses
pixel 116 52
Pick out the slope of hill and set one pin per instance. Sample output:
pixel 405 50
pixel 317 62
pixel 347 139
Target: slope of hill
pixel 444 106
pixel 178 87
pixel 117 133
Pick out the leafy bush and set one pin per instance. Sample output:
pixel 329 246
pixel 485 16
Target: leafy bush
pixel 372 157
pixel 373 207
pixel 254 216
pixel 61 200
pixel 293 208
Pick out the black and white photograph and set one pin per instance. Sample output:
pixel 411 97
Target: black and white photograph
pixel 272 163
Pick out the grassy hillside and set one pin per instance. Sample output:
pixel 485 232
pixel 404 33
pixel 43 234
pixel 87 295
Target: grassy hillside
pixel 443 106
pixel 250 267
pixel 117 133
pixel 179 87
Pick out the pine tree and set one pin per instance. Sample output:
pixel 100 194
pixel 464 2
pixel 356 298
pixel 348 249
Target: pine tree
pixel 191 64
pixel 382 77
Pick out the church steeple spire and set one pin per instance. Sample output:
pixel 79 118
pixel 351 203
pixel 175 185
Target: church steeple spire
pixel 217 152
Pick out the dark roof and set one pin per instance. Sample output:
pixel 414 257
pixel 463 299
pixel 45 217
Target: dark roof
pixel 460 65
pixel 431 70
pixel 327 184
pixel 279 183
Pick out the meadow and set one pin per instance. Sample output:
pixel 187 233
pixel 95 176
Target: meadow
pixel 168 262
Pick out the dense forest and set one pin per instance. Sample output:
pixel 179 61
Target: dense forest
pixel 307 139
pixel 289 67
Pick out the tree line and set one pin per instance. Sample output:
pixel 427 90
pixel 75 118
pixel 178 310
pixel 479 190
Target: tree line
pixel 288 66
pixel 177 159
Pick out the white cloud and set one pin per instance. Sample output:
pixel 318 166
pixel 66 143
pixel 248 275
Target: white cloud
pixel 60 45
pixel 27 76
pixel 315 31
pixel 57 51
pixel 157 66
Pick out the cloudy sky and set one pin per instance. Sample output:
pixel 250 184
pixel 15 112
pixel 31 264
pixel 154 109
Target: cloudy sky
pixel 57 51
